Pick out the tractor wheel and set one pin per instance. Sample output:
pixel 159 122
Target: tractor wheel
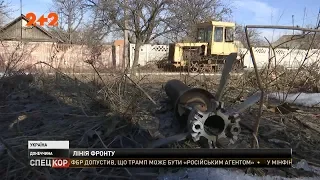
pixel 209 69
pixel 194 67
pixel 202 68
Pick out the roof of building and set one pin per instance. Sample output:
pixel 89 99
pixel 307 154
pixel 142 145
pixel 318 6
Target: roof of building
pixel 23 17
pixel 301 41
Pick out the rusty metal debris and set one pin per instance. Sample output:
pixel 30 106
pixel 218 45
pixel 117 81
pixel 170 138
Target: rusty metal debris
pixel 203 115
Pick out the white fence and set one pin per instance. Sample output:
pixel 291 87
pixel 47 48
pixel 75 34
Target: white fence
pixel 290 58
pixel 149 53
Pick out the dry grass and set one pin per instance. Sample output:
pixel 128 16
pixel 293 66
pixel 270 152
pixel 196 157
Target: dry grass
pixel 88 111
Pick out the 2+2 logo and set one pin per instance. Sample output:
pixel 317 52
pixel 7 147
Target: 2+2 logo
pixel 42 20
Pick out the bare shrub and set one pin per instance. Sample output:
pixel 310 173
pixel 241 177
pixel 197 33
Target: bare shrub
pixel 15 56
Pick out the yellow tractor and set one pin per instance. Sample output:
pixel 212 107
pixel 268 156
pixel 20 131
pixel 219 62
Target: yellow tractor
pixel 215 42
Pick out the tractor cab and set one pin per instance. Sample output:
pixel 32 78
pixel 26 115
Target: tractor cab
pixel 218 35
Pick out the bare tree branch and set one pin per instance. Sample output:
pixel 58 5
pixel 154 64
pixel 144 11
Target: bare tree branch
pixel 4 11
pixel 253 34
pixel 71 17
pixel 188 13
pixel 145 18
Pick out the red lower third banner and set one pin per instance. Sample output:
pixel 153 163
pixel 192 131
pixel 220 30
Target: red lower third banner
pixel 190 162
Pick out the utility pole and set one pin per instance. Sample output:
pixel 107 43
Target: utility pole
pixel 304 16
pixel 125 63
pixel 318 20
pixel 293 24
pixel 21 20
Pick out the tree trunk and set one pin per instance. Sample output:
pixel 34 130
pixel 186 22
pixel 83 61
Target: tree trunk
pixel 125 50
pixel 126 38
pixel 135 63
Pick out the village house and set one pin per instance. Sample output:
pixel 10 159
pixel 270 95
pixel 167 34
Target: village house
pixel 14 32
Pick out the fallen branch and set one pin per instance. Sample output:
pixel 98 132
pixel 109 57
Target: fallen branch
pixel 309 125
pixel 139 87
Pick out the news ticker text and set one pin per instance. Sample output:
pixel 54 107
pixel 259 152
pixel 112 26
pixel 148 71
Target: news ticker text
pixel 161 153
pixel 57 154
pixel 190 162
